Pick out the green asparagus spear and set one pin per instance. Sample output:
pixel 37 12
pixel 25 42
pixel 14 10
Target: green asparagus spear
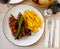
pixel 19 27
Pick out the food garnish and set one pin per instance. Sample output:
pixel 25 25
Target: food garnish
pixel 19 27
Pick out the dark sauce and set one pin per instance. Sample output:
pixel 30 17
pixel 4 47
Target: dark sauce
pixel 4 1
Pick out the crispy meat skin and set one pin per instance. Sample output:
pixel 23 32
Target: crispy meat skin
pixel 13 23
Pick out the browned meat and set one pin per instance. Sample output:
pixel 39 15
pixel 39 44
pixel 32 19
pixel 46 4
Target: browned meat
pixel 23 31
pixel 19 15
pixel 28 32
pixel 13 23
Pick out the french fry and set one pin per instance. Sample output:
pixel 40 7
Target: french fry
pixel 33 20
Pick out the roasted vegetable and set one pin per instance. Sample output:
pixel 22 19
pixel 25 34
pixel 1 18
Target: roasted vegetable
pixel 19 27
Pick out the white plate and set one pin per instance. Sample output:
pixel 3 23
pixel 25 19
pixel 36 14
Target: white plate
pixel 25 41
pixel 15 1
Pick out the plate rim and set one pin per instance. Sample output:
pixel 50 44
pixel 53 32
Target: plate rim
pixel 16 2
pixel 6 35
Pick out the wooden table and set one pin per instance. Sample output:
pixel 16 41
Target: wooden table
pixel 5 44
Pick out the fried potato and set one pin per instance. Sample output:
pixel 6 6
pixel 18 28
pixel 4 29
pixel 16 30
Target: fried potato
pixel 33 20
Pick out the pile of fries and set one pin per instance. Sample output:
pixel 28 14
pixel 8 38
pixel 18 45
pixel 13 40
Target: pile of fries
pixel 33 20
